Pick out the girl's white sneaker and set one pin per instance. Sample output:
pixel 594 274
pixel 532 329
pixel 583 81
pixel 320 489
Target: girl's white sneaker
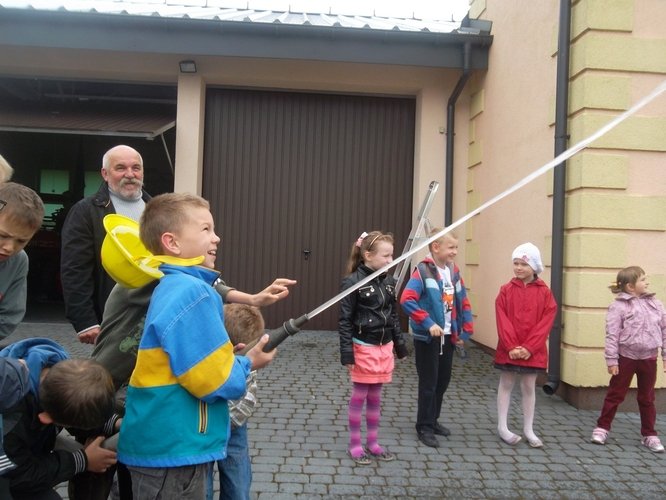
pixel 653 444
pixel 599 436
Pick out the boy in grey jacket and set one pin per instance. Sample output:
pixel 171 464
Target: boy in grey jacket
pixel 21 214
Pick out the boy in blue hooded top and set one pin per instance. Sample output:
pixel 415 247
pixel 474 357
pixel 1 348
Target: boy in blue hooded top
pixel 60 392
pixel 176 416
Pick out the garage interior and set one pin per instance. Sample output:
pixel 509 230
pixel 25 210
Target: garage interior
pixel 54 134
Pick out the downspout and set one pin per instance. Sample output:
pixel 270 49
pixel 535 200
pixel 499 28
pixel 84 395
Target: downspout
pixel 559 191
pixel 450 133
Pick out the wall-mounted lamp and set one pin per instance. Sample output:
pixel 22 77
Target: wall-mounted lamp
pixel 188 66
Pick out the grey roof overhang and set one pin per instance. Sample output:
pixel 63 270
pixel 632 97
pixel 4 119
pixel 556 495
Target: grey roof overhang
pixel 109 119
pixel 190 38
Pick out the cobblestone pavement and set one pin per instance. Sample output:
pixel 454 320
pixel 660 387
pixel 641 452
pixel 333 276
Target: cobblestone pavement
pixel 298 436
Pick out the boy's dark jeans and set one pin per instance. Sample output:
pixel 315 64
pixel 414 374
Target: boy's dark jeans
pixel 44 495
pixel 4 488
pixel 94 486
pixel 434 371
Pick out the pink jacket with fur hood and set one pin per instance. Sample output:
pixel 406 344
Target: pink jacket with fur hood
pixel 635 328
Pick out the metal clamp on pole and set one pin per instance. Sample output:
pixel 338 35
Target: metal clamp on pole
pixel 288 328
pixel 279 335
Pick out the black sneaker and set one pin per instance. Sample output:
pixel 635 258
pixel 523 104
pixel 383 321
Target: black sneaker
pixel 440 430
pixel 428 439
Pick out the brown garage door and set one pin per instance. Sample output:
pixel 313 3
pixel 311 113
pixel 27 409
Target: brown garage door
pixel 294 178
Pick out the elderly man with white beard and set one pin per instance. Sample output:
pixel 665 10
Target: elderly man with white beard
pixel 85 283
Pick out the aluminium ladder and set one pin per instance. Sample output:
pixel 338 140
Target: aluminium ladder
pixel 419 230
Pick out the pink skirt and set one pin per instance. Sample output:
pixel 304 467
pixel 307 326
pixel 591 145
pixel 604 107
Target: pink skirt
pixel 373 364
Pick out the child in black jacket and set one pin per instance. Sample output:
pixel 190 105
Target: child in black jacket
pixel 75 393
pixel 369 332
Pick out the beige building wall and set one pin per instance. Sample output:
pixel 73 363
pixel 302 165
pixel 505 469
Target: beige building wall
pixel 615 188
pixel 511 135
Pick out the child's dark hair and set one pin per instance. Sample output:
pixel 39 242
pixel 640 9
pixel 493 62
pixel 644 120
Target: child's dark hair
pixel 166 213
pixel 243 323
pixel 23 205
pixel 367 243
pixel 77 393
pixel 627 276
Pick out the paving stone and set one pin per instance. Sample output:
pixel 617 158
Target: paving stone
pixel 346 489
pixel 265 487
pixel 264 468
pixel 319 469
pixel 490 492
pixel 262 477
pixel 288 487
pixel 318 488
pixel 281 477
pixel 423 492
pixel 320 478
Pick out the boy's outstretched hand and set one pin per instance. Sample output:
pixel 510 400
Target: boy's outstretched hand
pixel 99 459
pixel 277 290
pixel 258 357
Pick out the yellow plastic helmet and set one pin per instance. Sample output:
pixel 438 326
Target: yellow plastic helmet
pixel 124 256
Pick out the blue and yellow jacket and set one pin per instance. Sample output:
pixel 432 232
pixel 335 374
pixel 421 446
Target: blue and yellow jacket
pixel 176 410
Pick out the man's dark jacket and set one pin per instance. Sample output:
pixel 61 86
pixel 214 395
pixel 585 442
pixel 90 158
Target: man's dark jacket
pixel 85 283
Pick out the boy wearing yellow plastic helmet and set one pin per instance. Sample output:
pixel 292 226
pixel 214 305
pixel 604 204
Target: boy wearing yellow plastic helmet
pixel 186 370
pixel 128 262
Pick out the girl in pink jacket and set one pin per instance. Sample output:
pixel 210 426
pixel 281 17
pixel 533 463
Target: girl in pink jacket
pixel 635 330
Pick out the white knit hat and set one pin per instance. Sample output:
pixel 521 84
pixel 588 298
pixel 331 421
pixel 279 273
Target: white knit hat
pixel 530 254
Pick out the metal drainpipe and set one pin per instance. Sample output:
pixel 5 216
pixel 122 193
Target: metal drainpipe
pixel 559 191
pixel 450 133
